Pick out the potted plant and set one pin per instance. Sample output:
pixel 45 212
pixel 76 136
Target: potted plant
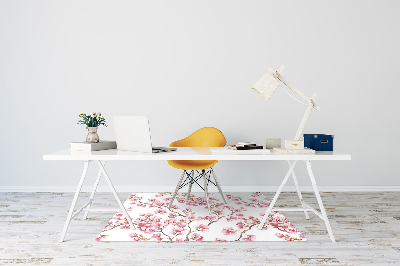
pixel 92 123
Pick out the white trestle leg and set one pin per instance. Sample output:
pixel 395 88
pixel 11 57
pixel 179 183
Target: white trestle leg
pixel 299 192
pixel 271 205
pixel 71 210
pixel 93 192
pixel 116 196
pixel 321 205
pixel 176 189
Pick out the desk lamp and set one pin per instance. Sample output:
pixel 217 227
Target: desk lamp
pixel 266 86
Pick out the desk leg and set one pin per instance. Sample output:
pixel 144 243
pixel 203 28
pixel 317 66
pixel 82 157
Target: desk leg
pixel 128 218
pixel 299 192
pixel 271 205
pixel 93 192
pixel 321 205
pixel 71 210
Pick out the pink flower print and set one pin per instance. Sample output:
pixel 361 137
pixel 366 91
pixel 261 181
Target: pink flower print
pixel 152 200
pixel 239 210
pixel 219 239
pixel 277 220
pixel 254 200
pixel 159 203
pixel 218 212
pixel 191 217
pixel 180 200
pixel 125 227
pixel 241 225
pixel 301 236
pixel 149 214
pixel 228 231
pixel 179 239
pixel 250 238
pixel 201 227
pixel 174 207
pixel 142 214
pixel 171 215
pixel 239 203
pixel 133 235
pixel 256 194
pixel 288 228
pixel 177 230
pixel 157 236
pixel 231 218
pixel 196 237
pixel 279 235
pixel 158 211
pixel 101 237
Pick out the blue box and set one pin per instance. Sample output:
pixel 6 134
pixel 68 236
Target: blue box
pixel 318 142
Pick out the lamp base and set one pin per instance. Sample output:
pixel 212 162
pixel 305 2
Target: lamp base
pixel 293 151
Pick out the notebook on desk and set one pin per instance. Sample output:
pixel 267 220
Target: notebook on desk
pixel 133 134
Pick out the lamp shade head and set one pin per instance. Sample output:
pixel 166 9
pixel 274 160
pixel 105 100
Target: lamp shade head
pixel 266 86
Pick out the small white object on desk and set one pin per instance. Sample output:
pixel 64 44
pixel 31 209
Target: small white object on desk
pixel 271 143
pixel 225 150
pixel 98 146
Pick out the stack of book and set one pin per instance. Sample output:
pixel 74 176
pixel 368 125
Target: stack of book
pixel 240 148
pixel 245 146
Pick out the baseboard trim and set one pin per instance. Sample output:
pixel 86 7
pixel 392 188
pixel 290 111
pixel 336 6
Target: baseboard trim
pixel 196 189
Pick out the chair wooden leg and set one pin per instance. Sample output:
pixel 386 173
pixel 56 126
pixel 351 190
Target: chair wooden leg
pixel 218 186
pixel 206 190
pixel 190 185
pixel 176 190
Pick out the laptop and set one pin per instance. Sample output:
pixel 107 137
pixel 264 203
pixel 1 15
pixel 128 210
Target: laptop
pixel 133 134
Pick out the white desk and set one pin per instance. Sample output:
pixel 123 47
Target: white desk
pixel 194 154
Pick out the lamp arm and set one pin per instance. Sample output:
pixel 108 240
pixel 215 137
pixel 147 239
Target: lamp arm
pixel 293 88
pixel 305 117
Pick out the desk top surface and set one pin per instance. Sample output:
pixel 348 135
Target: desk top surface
pixel 186 153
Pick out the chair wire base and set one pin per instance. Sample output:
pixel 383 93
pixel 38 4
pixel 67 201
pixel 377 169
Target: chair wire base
pixel 192 177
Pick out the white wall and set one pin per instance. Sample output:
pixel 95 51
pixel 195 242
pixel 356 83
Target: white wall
pixel 190 64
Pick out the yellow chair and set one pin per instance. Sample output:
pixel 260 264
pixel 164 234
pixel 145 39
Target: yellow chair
pixel 204 137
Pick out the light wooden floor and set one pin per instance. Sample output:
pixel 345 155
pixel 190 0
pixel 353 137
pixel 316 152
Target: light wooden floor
pixel 366 226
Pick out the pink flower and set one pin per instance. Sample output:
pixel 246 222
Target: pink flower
pixel 240 225
pixel 101 237
pixel 125 227
pixel 201 227
pixel 218 212
pixel 196 237
pixel 228 231
pixel 176 230
pixel 133 235
pixel 172 215
pixel 156 236
pixel 250 238
pixel 279 235
pixel 231 218
pixel 219 239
